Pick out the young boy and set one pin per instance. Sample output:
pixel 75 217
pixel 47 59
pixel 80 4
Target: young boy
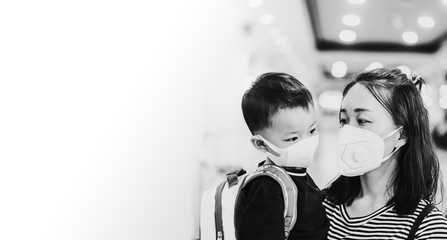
pixel 279 112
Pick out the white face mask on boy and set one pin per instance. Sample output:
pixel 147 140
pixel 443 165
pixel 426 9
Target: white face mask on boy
pixel 300 154
pixel 360 150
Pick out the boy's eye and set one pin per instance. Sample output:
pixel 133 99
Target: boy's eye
pixel 292 139
pixel 313 131
pixel 343 121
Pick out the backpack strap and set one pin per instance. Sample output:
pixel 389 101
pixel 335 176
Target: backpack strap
pixel 218 211
pixel 232 179
pixel 425 211
pixel 289 190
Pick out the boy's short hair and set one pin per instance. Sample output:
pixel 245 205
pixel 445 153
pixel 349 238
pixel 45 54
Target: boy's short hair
pixel 268 94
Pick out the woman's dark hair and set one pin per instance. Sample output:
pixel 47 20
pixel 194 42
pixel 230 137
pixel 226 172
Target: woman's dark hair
pixel 417 169
pixel 268 94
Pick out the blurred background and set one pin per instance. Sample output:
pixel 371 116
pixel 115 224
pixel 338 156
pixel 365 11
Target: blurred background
pixel 115 116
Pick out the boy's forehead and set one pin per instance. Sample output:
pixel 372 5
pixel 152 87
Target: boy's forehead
pixel 293 119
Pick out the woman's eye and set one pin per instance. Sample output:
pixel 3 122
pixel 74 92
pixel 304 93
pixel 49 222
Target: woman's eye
pixel 313 131
pixel 343 121
pixel 362 121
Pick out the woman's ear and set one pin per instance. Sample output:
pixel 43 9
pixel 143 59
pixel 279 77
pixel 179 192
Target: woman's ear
pixel 401 142
pixel 258 143
pixel 402 139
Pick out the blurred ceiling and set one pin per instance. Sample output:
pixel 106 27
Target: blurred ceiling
pixel 379 25
pixel 311 35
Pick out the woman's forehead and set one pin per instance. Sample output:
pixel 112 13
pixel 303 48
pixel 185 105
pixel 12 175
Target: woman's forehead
pixel 359 97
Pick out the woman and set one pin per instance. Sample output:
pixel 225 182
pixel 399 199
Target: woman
pixel 387 161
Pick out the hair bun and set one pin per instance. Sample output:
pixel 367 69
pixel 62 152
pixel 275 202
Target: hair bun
pixel 416 80
pixel 413 77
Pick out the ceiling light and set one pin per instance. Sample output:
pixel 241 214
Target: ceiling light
pixel 357 1
pixel 339 69
pixel 410 37
pixel 254 3
pixel 347 36
pixel 351 20
pixel 266 19
pixel 444 1
pixel 405 70
pixel 374 65
pixel 443 102
pixel 330 99
pixel 426 22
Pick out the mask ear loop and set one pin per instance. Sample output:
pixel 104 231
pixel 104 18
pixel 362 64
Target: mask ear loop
pixel 275 150
pixel 389 155
pixel 392 133
pixel 395 149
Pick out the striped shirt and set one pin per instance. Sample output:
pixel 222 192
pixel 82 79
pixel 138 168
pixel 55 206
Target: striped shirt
pixel 384 224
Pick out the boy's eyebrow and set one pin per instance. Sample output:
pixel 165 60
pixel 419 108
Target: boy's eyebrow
pixel 293 132
pixel 356 110
pixel 298 132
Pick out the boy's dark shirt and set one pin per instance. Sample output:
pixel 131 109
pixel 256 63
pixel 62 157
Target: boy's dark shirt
pixel 259 211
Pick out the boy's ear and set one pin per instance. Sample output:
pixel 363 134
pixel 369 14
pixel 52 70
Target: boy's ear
pixel 258 143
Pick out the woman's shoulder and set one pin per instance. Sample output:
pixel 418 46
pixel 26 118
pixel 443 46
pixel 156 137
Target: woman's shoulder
pixel 436 214
pixel 434 225
pixel 433 209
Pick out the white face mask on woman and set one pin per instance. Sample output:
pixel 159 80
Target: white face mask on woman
pixel 360 150
pixel 300 154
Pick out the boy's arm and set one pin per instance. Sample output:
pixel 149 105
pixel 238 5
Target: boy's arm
pixel 263 215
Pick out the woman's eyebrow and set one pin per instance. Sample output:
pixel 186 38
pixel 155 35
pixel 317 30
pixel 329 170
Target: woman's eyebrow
pixel 362 110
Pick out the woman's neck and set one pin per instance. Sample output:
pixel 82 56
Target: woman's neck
pixel 374 193
pixel 375 183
